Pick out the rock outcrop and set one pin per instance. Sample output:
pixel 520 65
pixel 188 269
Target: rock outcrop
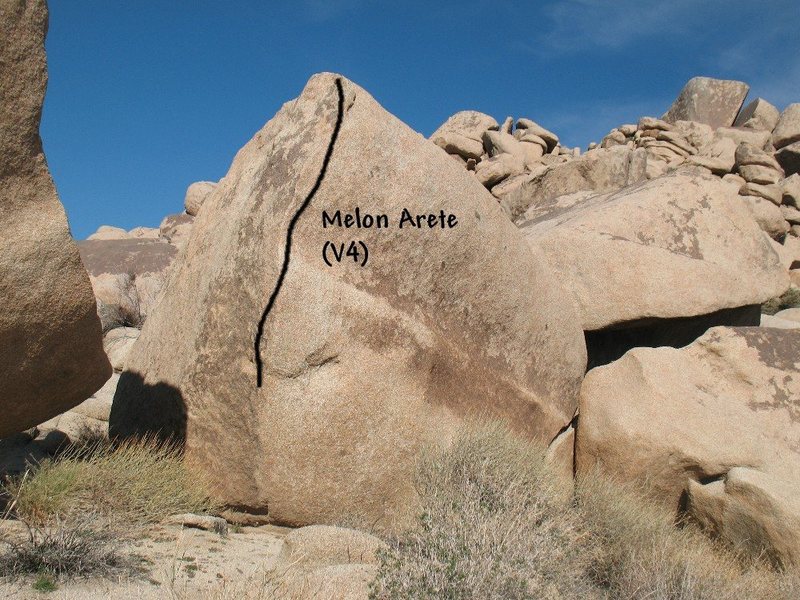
pixel 51 353
pixel 361 367
pixel 714 102
pixel 713 429
pixel 627 256
pixel 196 195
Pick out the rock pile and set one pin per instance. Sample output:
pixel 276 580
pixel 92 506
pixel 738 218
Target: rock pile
pixel 650 256
pixel 501 157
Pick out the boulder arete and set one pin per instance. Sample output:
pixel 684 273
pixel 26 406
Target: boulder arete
pixel 361 365
pixel 51 351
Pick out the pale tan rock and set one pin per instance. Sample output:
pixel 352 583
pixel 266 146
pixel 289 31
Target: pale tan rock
pixel 148 233
pixel 791 214
pixel 776 322
pixel 719 157
pixel 194 521
pixel 118 343
pixel 456 143
pixel 763 176
pixel 715 102
pixel 768 216
pixel 670 417
pixel 637 253
pixel 735 180
pixel 324 545
pixel 676 139
pixel 176 229
pixel 512 183
pixel 771 192
pixel 362 366
pixel 789 314
pixel 508 125
pixel 126 277
pixel 648 123
pixel 758 114
pixel 747 154
pixel 554 206
pixel 334 582
pixel 742 135
pixel 468 123
pixel 527 135
pixel 534 128
pixel 51 354
pixel 697 134
pixel 787 130
pixel 599 171
pixel 107 232
pixel 196 195
pixel 495 169
pixel 98 406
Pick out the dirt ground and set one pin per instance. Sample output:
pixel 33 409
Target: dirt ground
pixel 177 563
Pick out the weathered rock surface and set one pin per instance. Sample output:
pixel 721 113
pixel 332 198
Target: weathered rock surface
pixel 362 366
pixel 719 419
pixel 758 114
pixel 787 130
pixel 118 343
pixel 715 102
pixel 631 255
pixel 126 276
pixel 196 195
pixel 51 354
pixel 600 170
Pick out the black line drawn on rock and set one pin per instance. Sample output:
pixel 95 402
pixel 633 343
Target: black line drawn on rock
pixel 288 248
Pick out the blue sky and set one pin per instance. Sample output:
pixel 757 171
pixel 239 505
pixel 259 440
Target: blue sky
pixel 146 97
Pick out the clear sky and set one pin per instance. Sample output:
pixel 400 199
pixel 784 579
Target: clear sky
pixel 148 96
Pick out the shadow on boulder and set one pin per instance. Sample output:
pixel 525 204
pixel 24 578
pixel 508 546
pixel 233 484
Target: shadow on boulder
pixel 141 409
pixel 607 345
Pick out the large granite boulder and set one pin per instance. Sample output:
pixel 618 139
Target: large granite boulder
pixel 51 351
pixel 715 102
pixel 660 262
pixel 362 366
pixel 712 429
pixel 677 246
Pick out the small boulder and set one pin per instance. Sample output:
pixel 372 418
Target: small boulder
pixel 787 130
pixel 759 114
pixel 196 194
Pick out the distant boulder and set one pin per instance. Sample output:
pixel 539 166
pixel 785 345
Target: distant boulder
pixel 715 102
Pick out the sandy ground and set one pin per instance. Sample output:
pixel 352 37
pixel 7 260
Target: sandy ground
pixel 179 563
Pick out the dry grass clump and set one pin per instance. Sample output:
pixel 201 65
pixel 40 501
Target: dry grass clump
pixel 71 549
pixel 494 525
pixel 790 299
pixel 135 482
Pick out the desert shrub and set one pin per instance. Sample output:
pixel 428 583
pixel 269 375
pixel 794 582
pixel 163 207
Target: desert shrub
pixel 135 482
pixel 640 552
pixel 790 299
pixel 76 548
pixel 494 524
